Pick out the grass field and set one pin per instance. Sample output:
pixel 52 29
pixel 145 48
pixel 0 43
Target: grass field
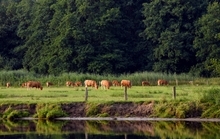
pixel 77 94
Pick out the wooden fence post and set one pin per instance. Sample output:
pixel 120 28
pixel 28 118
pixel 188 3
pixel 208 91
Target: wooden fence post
pixel 174 92
pixel 125 93
pixel 176 82
pixel 86 94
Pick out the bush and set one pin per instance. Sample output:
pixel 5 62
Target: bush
pixel 55 113
pixel 93 110
pixel 46 111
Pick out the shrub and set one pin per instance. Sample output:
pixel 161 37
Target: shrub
pixel 93 110
pixel 55 113
pixel 46 111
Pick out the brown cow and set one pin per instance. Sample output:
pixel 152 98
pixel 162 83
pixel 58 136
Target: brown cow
pixel 126 83
pixel 105 84
pixel 91 83
pixel 32 84
pixel 48 84
pixel 23 84
pixel 115 83
pixel 78 83
pixel 145 83
pixel 8 84
pixel 69 83
pixel 162 82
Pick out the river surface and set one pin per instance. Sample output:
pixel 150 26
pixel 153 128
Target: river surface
pixel 110 128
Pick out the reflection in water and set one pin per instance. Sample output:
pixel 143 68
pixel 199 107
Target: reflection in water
pixel 81 129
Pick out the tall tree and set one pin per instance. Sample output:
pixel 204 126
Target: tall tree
pixel 207 41
pixel 96 45
pixel 24 12
pixel 61 40
pixel 8 38
pixel 135 53
pixel 36 35
pixel 170 27
pixel 107 39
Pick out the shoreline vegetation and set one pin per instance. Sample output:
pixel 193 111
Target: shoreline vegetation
pixel 199 99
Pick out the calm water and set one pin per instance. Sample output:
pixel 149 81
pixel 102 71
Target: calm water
pixel 110 129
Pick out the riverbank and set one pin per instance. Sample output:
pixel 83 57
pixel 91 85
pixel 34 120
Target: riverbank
pixel 77 109
pixel 114 110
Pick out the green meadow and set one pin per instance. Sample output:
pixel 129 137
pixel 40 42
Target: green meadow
pixel 194 95
pixel 60 93
pixel 77 94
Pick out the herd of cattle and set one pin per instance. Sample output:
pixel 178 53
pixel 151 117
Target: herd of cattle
pixel 105 84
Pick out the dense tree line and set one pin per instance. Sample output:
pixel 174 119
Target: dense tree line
pixel 110 36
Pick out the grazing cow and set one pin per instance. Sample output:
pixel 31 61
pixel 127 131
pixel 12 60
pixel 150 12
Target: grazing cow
pixel 162 82
pixel 8 84
pixel 91 83
pixel 145 83
pixel 48 84
pixel 115 83
pixel 78 83
pixel 126 83
pixel 105 84
pixel 23 84
pixel 32 84
pixel 69 83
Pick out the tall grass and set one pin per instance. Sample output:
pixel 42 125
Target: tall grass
pixel 152 77
pixel 16 77
pixel 212 95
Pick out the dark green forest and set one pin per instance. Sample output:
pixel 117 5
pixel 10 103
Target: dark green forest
pixel 110 36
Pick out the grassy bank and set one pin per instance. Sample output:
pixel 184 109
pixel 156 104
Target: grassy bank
pixel 148 101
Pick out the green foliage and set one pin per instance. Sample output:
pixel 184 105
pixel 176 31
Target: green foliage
pixel 12 114
pixel 51 33
pixel 213 65
pixel 207 40
pixel 55 113
pixel 49 111
pixel 17 114
pixel 171 31
pixel 7 112
pixel 178 109
pixel 17 77
pixel 164 110
pixel 212 95
pixel 49 126
pixel 9 60
pixel 93 110
pixel 108 37
pixel 211 112
pixel 181 110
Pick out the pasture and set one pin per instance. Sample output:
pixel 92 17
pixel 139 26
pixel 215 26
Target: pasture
pixel 65 94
